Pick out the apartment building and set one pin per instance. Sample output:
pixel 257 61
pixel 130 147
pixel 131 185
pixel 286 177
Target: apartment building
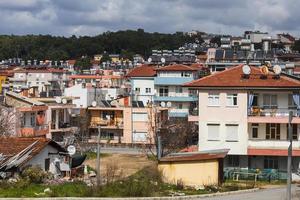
pixel 169 91
pixel 46 82
pixel 30 115
pixel 123 121
pixel 248 114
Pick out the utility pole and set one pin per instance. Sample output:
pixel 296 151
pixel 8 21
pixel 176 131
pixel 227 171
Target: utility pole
pixel 98 156
pixel 289 161
pixel 158 147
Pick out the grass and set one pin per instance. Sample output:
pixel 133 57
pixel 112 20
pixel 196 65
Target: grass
pixel 146 182
pixel 93 155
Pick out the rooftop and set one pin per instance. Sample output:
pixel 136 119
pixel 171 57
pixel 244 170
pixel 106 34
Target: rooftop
pixel 179 67
pixel 234 78
pixel 142 71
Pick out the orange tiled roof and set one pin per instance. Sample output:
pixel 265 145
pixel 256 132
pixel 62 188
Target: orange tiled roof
pixel 142 71
pixel 233 77
pixel 178 67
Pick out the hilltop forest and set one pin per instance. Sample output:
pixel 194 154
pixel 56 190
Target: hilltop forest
pixel 126 43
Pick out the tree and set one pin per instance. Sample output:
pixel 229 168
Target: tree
pixel 216 40
pixel 7 121
pixel 83 64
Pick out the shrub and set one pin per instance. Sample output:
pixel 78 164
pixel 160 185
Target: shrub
pixel 34 174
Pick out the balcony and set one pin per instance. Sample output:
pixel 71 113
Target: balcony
pixel 33 131
pixel 172 80
pixel 193 115
pixel 61 127
pixel 179 97
pixel 105 123
pixel 271 115
pixel 178 112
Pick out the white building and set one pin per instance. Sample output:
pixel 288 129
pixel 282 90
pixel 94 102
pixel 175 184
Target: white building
pixel 249 115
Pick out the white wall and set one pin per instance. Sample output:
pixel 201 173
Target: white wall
pixel 78 91
pixel 223 115
pixel 143 83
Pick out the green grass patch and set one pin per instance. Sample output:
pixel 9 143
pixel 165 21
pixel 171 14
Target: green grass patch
pixel 90 155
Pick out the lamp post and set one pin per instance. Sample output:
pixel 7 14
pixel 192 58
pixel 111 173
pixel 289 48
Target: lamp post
pixel 289 161
pixel 98 156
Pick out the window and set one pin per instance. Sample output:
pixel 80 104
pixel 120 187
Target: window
pixel 107 135
pixel 139 136
pixel 213 131
pixel 232 132
pixel 233 160
pixel 273 131
pixel 255 100
pixel 185 74
pixel 32 119
pixel 180 106
pixel 270 101
pixel 178 89
pixel 47 164
pixel 137 90
pixel 294 131
pixel 231 99
pixel 148 90
pixel 213 100
pixel 255 130
pixel 141 117
pixel 291 102
pixel 163 91
pixel 270 162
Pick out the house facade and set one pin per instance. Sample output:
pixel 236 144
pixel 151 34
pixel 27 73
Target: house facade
pixel 248 114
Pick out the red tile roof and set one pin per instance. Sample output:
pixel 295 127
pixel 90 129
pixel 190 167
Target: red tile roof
pixel 233 77
pixel 142 71
pixel 178 67
pixel 11 146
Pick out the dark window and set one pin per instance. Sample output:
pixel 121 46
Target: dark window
pixel 255 100
pixel 270 162
pixel 294 131
pixel 273 131
pixel 254 130
pixel 47 164
pixel 233 161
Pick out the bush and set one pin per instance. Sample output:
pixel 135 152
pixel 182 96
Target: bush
pixel 34 174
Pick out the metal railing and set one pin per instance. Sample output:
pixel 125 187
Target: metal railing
pixel 271 112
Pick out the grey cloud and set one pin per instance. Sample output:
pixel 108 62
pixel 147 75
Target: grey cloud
pixel 91 17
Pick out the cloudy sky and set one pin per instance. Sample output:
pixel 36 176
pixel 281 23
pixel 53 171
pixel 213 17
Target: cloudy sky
pixel 91 17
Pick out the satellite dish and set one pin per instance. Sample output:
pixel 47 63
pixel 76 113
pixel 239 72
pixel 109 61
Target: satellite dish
pixel 264 70
pixel 169 104
pixel 94 103
pixel 246 69
pixel 71 150
pixel 163 104
pixel 277 69
pixel 163 60
pixel 64 101
pixel 58 99
pixel 149 60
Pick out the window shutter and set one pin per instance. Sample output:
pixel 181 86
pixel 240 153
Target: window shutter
pixel 267 131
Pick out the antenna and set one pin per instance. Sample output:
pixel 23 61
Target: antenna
pixel 246 70
pixel 94 103
pixel 64 101
pixel 58 99
pixel 277 69
pixel 163 104
pixel 169 104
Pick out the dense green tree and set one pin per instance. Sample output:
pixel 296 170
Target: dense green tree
pixel 83 63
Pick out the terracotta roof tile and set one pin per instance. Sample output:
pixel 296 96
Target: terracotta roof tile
pixel 193 156
pixel 233 77
pixel 142 71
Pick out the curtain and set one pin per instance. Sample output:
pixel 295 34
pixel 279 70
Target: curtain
pixel 296 98
pixel 250 102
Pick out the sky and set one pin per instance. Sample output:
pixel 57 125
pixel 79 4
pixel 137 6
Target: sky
pixel 92 17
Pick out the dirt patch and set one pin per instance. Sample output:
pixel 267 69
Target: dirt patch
pixel 129 164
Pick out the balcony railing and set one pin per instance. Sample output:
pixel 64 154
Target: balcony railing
pixel 271 112
pixel 272 144
pixel 111 123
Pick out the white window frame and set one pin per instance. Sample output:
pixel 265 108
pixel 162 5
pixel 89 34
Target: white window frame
pixel 232 100
pixel 213 99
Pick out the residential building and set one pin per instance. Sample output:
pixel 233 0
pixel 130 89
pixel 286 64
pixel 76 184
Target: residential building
pixel 169 91
pixel 16 154
pixel 255 36
pixel 248 114
pixel 126 122
pixel 142 83
pixel 30 115
pixel 47 82
pixel 107 81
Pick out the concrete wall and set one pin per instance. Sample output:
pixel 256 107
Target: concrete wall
pixel 191 173
pixel 143 83
pixel 223 115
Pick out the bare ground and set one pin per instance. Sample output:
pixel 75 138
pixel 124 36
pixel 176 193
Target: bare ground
pixel 127 164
